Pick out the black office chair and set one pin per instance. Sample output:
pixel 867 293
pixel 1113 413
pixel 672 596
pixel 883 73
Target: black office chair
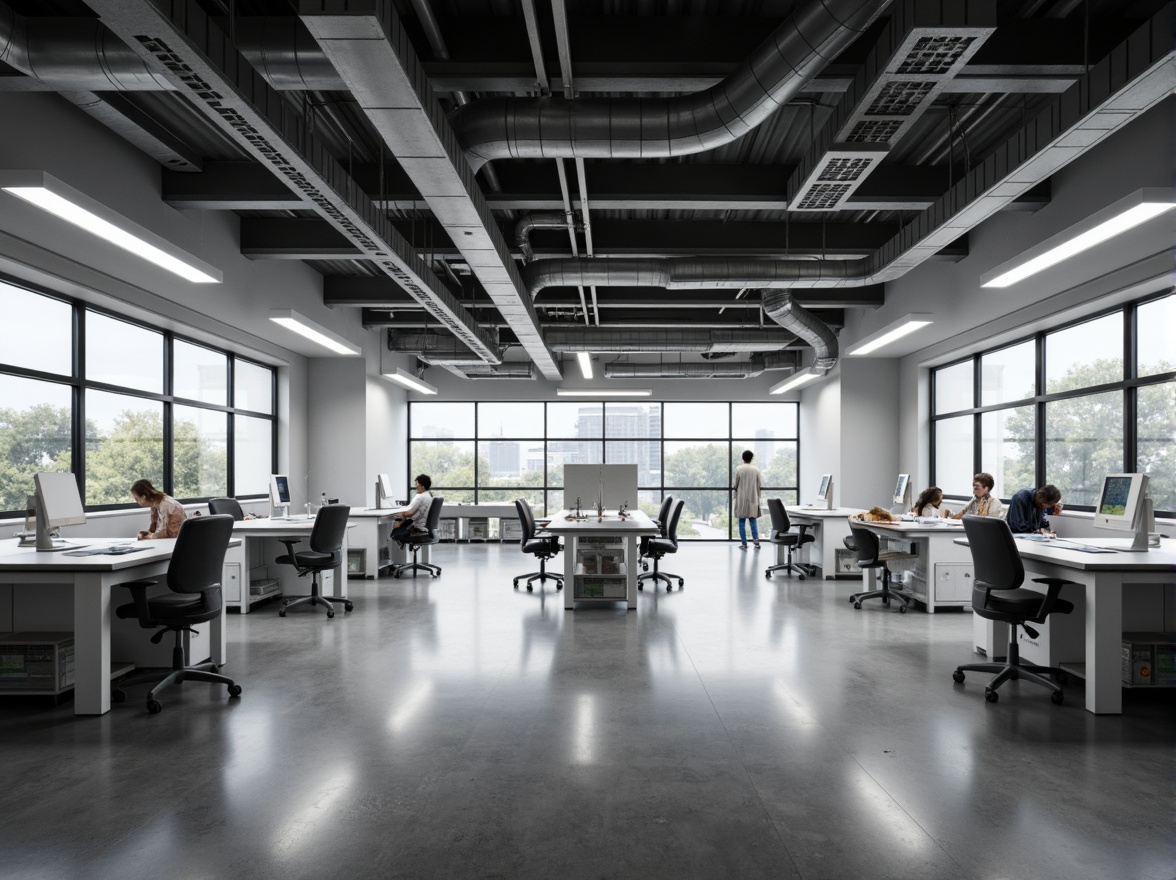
pixel 226 507
pixel 417 540
pixel 662 522
pixel 783 536
pixel 194 578
pixel 659 547
pixel 539 544
pixel 326 547
pixel 870 556
pixel 997 595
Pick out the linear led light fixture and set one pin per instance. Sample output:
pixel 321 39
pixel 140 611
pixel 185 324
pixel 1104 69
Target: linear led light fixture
pixel 800 377
pixel 1127 213
pixel 409 381
pixel 589 392
pixel 50 194
pixel 585 360
pixel 307 328
pixel 904 326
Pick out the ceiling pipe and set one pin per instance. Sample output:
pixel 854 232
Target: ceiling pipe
pixel 795 318
pixel 755 366
pixel 436 347
pixel 644 128
pixel 513 370
pixel 701 339
pixel 528 223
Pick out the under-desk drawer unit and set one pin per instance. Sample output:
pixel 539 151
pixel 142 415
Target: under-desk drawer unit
pixel 231 582
pixel 953 582
pixel 601 586
pixel 36 662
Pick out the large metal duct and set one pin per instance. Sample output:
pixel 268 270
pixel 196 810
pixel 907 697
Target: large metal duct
pixel 433 347
pixel 795 318
pixel 540 220
pixel 513 370
pixel 644 128
pixel 755 366
pixel 613 339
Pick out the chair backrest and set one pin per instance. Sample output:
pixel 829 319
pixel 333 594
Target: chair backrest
pixel 995 558
pixel 330 525
pixel 672 529
pixel 526 519
pixel 433 520
pixel 663 515
pixel 780 521
pixel 226 507
pixel 867 545
pixel 198 560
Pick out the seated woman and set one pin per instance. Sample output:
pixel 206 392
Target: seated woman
pixel 983 502
pixel 928 503
pixel 167 514
pixel 875 514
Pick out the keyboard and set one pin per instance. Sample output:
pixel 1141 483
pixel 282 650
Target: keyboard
pixel 120 550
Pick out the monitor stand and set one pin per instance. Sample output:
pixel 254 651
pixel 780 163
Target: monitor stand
pixel 1145 524
pixel 282 512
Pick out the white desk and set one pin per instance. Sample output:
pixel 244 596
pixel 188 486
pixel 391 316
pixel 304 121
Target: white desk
pixel 262 548
pixel 942 573
pixel 637 525
pixel 488 510
pixel 91 579
pixel 1102 578
pixel 371 533
pixel 830 528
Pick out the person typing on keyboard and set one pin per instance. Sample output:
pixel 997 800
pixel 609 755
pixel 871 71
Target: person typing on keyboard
pixel 1028 508
pixel 167 514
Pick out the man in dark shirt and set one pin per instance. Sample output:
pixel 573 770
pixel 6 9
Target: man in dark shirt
pixel 1028 508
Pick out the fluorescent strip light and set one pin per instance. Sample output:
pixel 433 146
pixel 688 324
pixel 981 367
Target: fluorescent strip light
pixel 60 200
pixel 585 363
pixel 628 392
pixel 1125 214
pixel 305 327
pixel 902 327
pixel 409 381
pixel 803 377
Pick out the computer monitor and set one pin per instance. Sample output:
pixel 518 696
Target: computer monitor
pixel 280 494
pixel 1124 506
pixel 902 490
pixel 58 503
pixel 825 492
pixel 383 489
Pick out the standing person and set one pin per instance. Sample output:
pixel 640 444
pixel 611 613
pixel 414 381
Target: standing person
pixel 747 499
pixel 167 514
pixel 929 501
pixel 983 502
pixel 1027 510
pixel 416 514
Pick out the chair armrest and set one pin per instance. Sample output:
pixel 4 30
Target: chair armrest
pixel 139 597
pixel 290 542
pixel 802 530
pixel 1053 590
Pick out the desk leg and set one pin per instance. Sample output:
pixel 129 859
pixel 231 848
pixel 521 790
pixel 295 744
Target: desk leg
pixel 569 590
pixel 631 571
pixel 91 644
pixel 1104 639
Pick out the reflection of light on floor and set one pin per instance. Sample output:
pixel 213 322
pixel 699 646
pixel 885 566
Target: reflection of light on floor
pixel 299 828
pixel 792 706
pixel 887 813
pixel 583 751
pixel 412 704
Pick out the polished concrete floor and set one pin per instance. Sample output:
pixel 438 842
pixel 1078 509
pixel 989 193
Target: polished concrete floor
pixel 455 727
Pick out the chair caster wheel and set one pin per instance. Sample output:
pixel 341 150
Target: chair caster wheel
pixel 990 695
pixel 330 614
pixel 851 602
pixel 669 588
pixel 530 589
pixel 282 612
pixel 857 605
pixel 645 566
pixel 681 583
pixel 516 583
pixel 800 577
pixel 436 574
pixel 957 677
pixel 117 695
pixel 1057 698
pixel 768 575
pixel 348 606
pixel 154 707
pixel 902 609
pixel 234 690
pixel 640 588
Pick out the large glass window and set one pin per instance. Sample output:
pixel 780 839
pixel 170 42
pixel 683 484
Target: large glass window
pixel 495 451
pixel 141 404
pixel 1107 407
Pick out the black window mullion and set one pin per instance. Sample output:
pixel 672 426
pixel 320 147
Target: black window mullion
pixel 78 432
pixel 1131 392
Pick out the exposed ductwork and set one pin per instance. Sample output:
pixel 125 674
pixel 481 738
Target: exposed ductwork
pixel 795 318
pixel 513 370
pixel 613 339
pixel 436 347
pixel 646 128
pixel 755 366
pixel 541 220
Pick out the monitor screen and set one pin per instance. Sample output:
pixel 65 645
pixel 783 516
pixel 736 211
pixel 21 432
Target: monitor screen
pixel 59 500
pixel 900 488
pixel 823 492
pixel 385 486
pixel 1120 501
pixel 1113 500
pixel 279 490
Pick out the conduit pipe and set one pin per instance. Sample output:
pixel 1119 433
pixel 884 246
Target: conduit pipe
pixel 795 318
pixel 539 220
pixel 643 128
pixel 755 366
